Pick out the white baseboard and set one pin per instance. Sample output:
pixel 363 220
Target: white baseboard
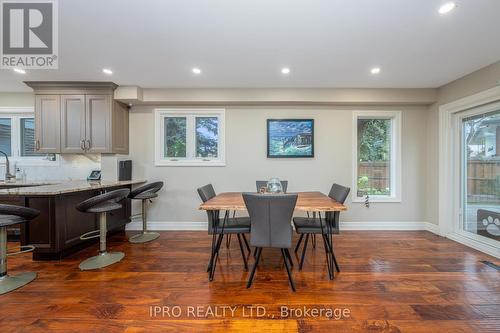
pixel 136 224
pixel 480 246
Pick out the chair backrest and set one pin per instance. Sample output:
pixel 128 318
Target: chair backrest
pixel 150 188
pixel 24 212
pixel 111 196
pixel 263 183
pixel 338 193
pixel 270 216
pixel 206 193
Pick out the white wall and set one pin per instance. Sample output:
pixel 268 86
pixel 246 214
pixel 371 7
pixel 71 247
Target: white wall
pixel 246 161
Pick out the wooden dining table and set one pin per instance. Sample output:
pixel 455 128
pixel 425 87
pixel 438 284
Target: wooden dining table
pixel 306 202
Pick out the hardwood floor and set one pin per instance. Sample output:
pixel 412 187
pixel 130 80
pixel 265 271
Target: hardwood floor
pixel 390 282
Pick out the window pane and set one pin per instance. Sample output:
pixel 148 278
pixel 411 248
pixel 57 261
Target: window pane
pixel 207 136
pixel 481 175
pixel 374 157
pixel 5 135
pixel 28 137
pixel 175 137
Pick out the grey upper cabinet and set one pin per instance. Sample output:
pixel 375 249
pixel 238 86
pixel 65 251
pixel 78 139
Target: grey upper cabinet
pixel 72 123
pixel 98 123
pixel 47 123
pixel 79 117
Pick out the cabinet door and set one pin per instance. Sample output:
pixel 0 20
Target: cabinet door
pixel 47 123
pixel 98 123
pixel 72 123
pixel 120 128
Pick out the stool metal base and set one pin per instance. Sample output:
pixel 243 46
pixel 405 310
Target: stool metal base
pixel 11 282
pixel 144 237
pixel 101 260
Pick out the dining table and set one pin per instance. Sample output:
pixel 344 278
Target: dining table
pixel 313 201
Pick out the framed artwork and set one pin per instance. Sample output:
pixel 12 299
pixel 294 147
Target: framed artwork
pixel 290 138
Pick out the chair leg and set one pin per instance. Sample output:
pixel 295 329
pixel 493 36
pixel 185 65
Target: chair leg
pixel 298 243
pixel 228 240
pixel 290 278
pixel 314 241
pixel 303 252
pixel 255 252
pixel 242 252
pixel 216 255
pixel 289 257
pixel 257 258
pixel 246 243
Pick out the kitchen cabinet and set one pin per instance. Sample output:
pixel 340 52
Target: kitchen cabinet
pixel 79 117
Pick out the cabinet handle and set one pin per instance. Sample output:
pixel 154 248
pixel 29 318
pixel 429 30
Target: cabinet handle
pixel 37 144
pixel 82 144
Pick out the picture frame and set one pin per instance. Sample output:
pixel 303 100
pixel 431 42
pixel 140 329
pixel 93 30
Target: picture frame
pixel 290 138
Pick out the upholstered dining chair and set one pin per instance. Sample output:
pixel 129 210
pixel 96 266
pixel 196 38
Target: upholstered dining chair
pixel 220 226
pixel 325 226
pixel 270 216
pixel 263 183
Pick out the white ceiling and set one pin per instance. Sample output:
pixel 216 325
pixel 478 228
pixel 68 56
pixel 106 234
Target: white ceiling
pixel 236 43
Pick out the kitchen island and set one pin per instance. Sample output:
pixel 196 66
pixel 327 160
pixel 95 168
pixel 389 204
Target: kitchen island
pixel 56 232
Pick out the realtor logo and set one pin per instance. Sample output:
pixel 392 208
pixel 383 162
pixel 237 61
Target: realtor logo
pixel 29 34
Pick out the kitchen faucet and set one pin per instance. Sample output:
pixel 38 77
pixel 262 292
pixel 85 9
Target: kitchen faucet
pixel 8 175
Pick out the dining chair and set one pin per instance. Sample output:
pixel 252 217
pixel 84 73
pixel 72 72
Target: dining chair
pixel 263 183
pixel 220 226
pixel 325 226
pixel 270 216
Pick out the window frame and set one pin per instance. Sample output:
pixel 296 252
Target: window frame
pixel 395 169
pixel 190 115
pixel 16 114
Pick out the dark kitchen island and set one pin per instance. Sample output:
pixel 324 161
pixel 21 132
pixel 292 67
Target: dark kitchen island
pixel 56 232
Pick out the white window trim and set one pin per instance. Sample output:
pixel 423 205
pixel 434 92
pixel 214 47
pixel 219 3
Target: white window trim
pixel 449 196
pixel 190 142
pixel 16 113
pixel 395 152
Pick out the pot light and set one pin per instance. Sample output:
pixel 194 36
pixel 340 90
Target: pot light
pixel 19 70
pixel 196 70
pixel 447 7
pixel 285 70
pixel 107 71
pixel 375 70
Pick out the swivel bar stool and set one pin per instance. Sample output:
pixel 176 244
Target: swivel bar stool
pixel 101 204
pixel 10 215
pixel 145 193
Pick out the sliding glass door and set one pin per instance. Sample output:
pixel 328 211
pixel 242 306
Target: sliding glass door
pixel 479 157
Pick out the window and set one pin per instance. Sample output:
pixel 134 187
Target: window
pixel 17 137
pixel 191 137
pixel 377 157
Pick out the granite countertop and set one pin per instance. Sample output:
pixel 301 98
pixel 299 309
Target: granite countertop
pixel 66 187
pixel 26 183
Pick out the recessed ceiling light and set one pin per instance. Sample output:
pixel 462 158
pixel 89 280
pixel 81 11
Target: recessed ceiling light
pixel 285 70
pixel 447 7
pixel 196 70
pixel 107 71
pixel 19 70
pixel 375 70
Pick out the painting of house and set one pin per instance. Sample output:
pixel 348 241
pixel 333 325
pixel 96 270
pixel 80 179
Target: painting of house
pixel 290 138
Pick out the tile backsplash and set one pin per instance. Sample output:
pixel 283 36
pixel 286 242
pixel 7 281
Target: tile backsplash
pixel 69 167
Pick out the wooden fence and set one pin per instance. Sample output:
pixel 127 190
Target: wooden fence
pixel 483 179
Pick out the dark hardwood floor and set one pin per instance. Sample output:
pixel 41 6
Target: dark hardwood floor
pixel 390 282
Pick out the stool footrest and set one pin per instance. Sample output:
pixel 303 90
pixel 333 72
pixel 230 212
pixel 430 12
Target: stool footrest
pixel 90 235
pixel 22 249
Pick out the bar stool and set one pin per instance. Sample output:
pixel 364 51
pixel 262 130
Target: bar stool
pixel 145 193
pixel 101 204
pixel 10 215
